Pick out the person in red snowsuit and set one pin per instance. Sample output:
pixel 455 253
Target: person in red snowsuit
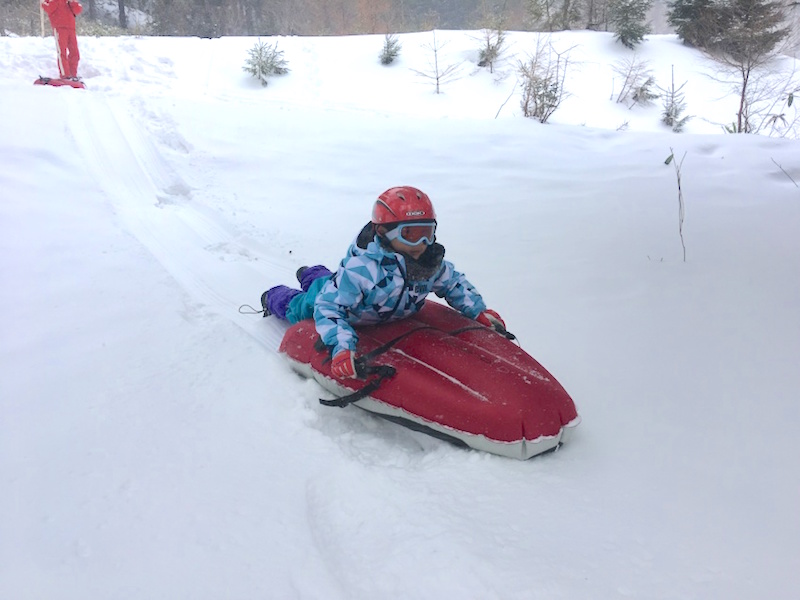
pixel 62 15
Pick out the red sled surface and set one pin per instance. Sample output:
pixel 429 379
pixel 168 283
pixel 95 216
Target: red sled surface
pixel 454 379
pixel 55 81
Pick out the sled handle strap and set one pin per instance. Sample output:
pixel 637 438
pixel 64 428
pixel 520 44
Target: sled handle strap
pixel 383 372
pixel 498 328
pixel 385 347
pixel 504 332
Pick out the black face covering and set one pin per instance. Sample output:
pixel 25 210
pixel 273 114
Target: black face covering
pixel 427 265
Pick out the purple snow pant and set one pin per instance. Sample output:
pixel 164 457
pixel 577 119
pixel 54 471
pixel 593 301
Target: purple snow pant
pixel 279 297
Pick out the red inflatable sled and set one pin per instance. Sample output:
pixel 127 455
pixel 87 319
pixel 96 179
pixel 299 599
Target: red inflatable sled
pixel 442 373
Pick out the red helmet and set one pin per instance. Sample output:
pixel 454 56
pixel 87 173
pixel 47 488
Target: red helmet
pixel 402 204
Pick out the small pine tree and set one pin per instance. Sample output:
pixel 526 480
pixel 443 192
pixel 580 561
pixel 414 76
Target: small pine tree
pixel 493 42
pixel 628 20
pixel 674 105
pixel 540 97
pixel 542 77
pixel 264 61
pixel 637 80
pixel 391 49
pixel 436 73
pixel 643 94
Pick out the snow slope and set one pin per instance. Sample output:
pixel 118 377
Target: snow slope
pixel 153 444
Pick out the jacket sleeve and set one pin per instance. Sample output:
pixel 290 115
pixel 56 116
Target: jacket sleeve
pixel 458 291
pixel 333 307
pixel 48 7
pixel 76 7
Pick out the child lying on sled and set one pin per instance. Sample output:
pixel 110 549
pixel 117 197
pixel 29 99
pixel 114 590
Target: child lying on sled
pixel 393 264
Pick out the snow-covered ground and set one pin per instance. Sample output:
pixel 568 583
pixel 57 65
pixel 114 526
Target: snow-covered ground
pixel 154 445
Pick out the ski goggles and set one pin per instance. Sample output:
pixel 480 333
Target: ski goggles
pixel 413 234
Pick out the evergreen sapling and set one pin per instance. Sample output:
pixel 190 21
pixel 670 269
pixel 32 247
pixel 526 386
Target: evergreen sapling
pixel 264 61
pixel 674 105
pixel 391 49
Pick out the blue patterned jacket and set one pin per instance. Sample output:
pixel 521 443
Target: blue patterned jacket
pixel 373 285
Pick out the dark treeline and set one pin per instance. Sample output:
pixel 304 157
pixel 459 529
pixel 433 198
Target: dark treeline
pixel 212 18
pixel 318 17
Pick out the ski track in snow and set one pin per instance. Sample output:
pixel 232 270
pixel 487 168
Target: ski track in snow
pixel 189 239
pixel 210 259
pixel 193 242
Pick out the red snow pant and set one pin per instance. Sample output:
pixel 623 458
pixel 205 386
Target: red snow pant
pixel 68 55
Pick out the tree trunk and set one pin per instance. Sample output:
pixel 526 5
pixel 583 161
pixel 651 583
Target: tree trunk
pixel 741 124
pixel 123 19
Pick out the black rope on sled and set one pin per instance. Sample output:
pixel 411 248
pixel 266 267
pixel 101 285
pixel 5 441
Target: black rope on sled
pixel 386 346
pixel 383 372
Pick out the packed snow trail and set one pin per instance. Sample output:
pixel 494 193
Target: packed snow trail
pixel 192 241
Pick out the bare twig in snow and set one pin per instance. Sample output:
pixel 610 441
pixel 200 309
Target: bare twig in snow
pixel 785 173
pixel 681 207
pixel 507 99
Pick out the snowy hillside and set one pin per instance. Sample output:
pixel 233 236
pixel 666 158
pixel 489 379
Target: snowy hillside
pixel 154 445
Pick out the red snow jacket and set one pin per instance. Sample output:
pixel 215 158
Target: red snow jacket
pixel 62 13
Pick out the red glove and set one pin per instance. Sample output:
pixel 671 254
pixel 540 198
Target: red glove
pixel 343 365
pixel 491 319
